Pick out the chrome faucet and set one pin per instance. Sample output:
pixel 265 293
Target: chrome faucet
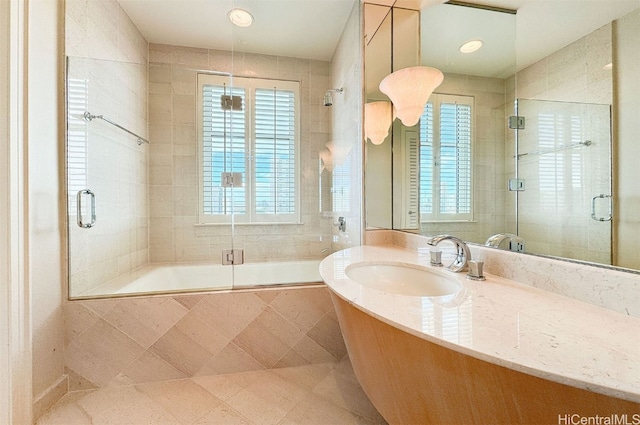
pixel 516 243
pixel 463 255
pixel 462 260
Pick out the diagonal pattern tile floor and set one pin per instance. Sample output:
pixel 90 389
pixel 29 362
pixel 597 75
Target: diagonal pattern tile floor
pixel 322 394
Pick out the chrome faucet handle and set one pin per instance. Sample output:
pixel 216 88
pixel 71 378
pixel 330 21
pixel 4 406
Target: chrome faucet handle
pixel 475 270
pixel 436 258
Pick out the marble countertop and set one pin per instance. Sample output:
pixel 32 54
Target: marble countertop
pixel 506 323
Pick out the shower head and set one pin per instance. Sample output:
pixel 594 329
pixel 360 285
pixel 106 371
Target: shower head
pixel 328 99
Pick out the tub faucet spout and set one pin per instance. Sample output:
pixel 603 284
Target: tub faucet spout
pixel 463 255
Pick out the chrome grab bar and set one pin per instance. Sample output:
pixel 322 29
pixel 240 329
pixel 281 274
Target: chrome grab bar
pixel 593 207
pixel 79 206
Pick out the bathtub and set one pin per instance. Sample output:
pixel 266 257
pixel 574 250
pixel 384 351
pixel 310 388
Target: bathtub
pixel 171 278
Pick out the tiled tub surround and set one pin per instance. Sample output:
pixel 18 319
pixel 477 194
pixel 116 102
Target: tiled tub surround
pixel 502 323
pixel 111 342
pixel 612 289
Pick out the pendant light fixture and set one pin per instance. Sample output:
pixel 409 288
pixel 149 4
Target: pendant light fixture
pixel 409 90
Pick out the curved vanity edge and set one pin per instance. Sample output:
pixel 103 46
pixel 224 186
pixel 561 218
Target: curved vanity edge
pixel 505 323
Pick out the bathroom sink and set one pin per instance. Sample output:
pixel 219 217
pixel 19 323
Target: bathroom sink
pixel 403 278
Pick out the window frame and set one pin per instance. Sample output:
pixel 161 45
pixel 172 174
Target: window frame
pixel 436 216
pixel 250 216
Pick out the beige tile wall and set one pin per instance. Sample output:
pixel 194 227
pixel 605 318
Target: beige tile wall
pixel 346 130
pixel 173 161
pixel 111 342
pixel 572 74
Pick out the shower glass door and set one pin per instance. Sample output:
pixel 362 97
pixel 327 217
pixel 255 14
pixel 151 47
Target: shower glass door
pixel 106 163
pixel 564 159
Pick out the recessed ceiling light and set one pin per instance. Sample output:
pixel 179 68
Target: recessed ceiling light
pixel 471 46
pixel 240 17
pixel 608 66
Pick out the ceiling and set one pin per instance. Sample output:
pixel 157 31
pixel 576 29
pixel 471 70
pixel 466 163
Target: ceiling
pixel 295 28
pixel 312 28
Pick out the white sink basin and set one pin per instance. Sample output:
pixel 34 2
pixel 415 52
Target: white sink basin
pixel 403 278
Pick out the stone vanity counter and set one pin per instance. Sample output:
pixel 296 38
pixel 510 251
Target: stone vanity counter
pixel 505 323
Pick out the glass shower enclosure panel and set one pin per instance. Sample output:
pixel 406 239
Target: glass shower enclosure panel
pixel 132 187
pixel 107 195
pixel 564 161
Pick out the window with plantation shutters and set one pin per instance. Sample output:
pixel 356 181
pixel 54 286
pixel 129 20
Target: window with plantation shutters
pixel 249 156
pixel 275 167
pixel 446 133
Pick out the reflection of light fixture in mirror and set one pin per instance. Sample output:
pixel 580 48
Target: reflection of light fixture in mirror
pixel 339 152
pixel 471 46
pixel 328 100
pixel 377 120
pixel 240 17
pixel 327 159
pixel 409 90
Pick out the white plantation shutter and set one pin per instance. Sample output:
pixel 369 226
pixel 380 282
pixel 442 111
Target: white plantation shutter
pixel 455 158
pixel 258 140
pixel 426 161
pixel 274 154
pixel 223 150
pixel 445 159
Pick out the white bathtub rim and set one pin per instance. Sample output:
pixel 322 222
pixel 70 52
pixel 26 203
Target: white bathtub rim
pixel 114 288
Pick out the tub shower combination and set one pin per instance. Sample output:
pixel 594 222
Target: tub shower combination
pixel 134 192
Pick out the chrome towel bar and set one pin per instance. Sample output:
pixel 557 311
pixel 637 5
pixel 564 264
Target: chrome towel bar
pixel 89 117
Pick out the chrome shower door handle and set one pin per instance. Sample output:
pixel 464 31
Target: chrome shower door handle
pixel 593 207
pixel 79 197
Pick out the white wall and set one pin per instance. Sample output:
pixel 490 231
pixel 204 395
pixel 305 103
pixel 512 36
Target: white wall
pixel 44 117
pixel 5 259
pixel 15 345
pixel 30 257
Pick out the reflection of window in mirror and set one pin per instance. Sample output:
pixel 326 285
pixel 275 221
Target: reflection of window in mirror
pixel 341 186
pixel 446 138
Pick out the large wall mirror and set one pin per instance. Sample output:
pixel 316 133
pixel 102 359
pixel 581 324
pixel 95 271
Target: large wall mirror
pixel 530 137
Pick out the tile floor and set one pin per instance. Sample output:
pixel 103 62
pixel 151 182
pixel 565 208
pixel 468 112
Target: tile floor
pixel 323 394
